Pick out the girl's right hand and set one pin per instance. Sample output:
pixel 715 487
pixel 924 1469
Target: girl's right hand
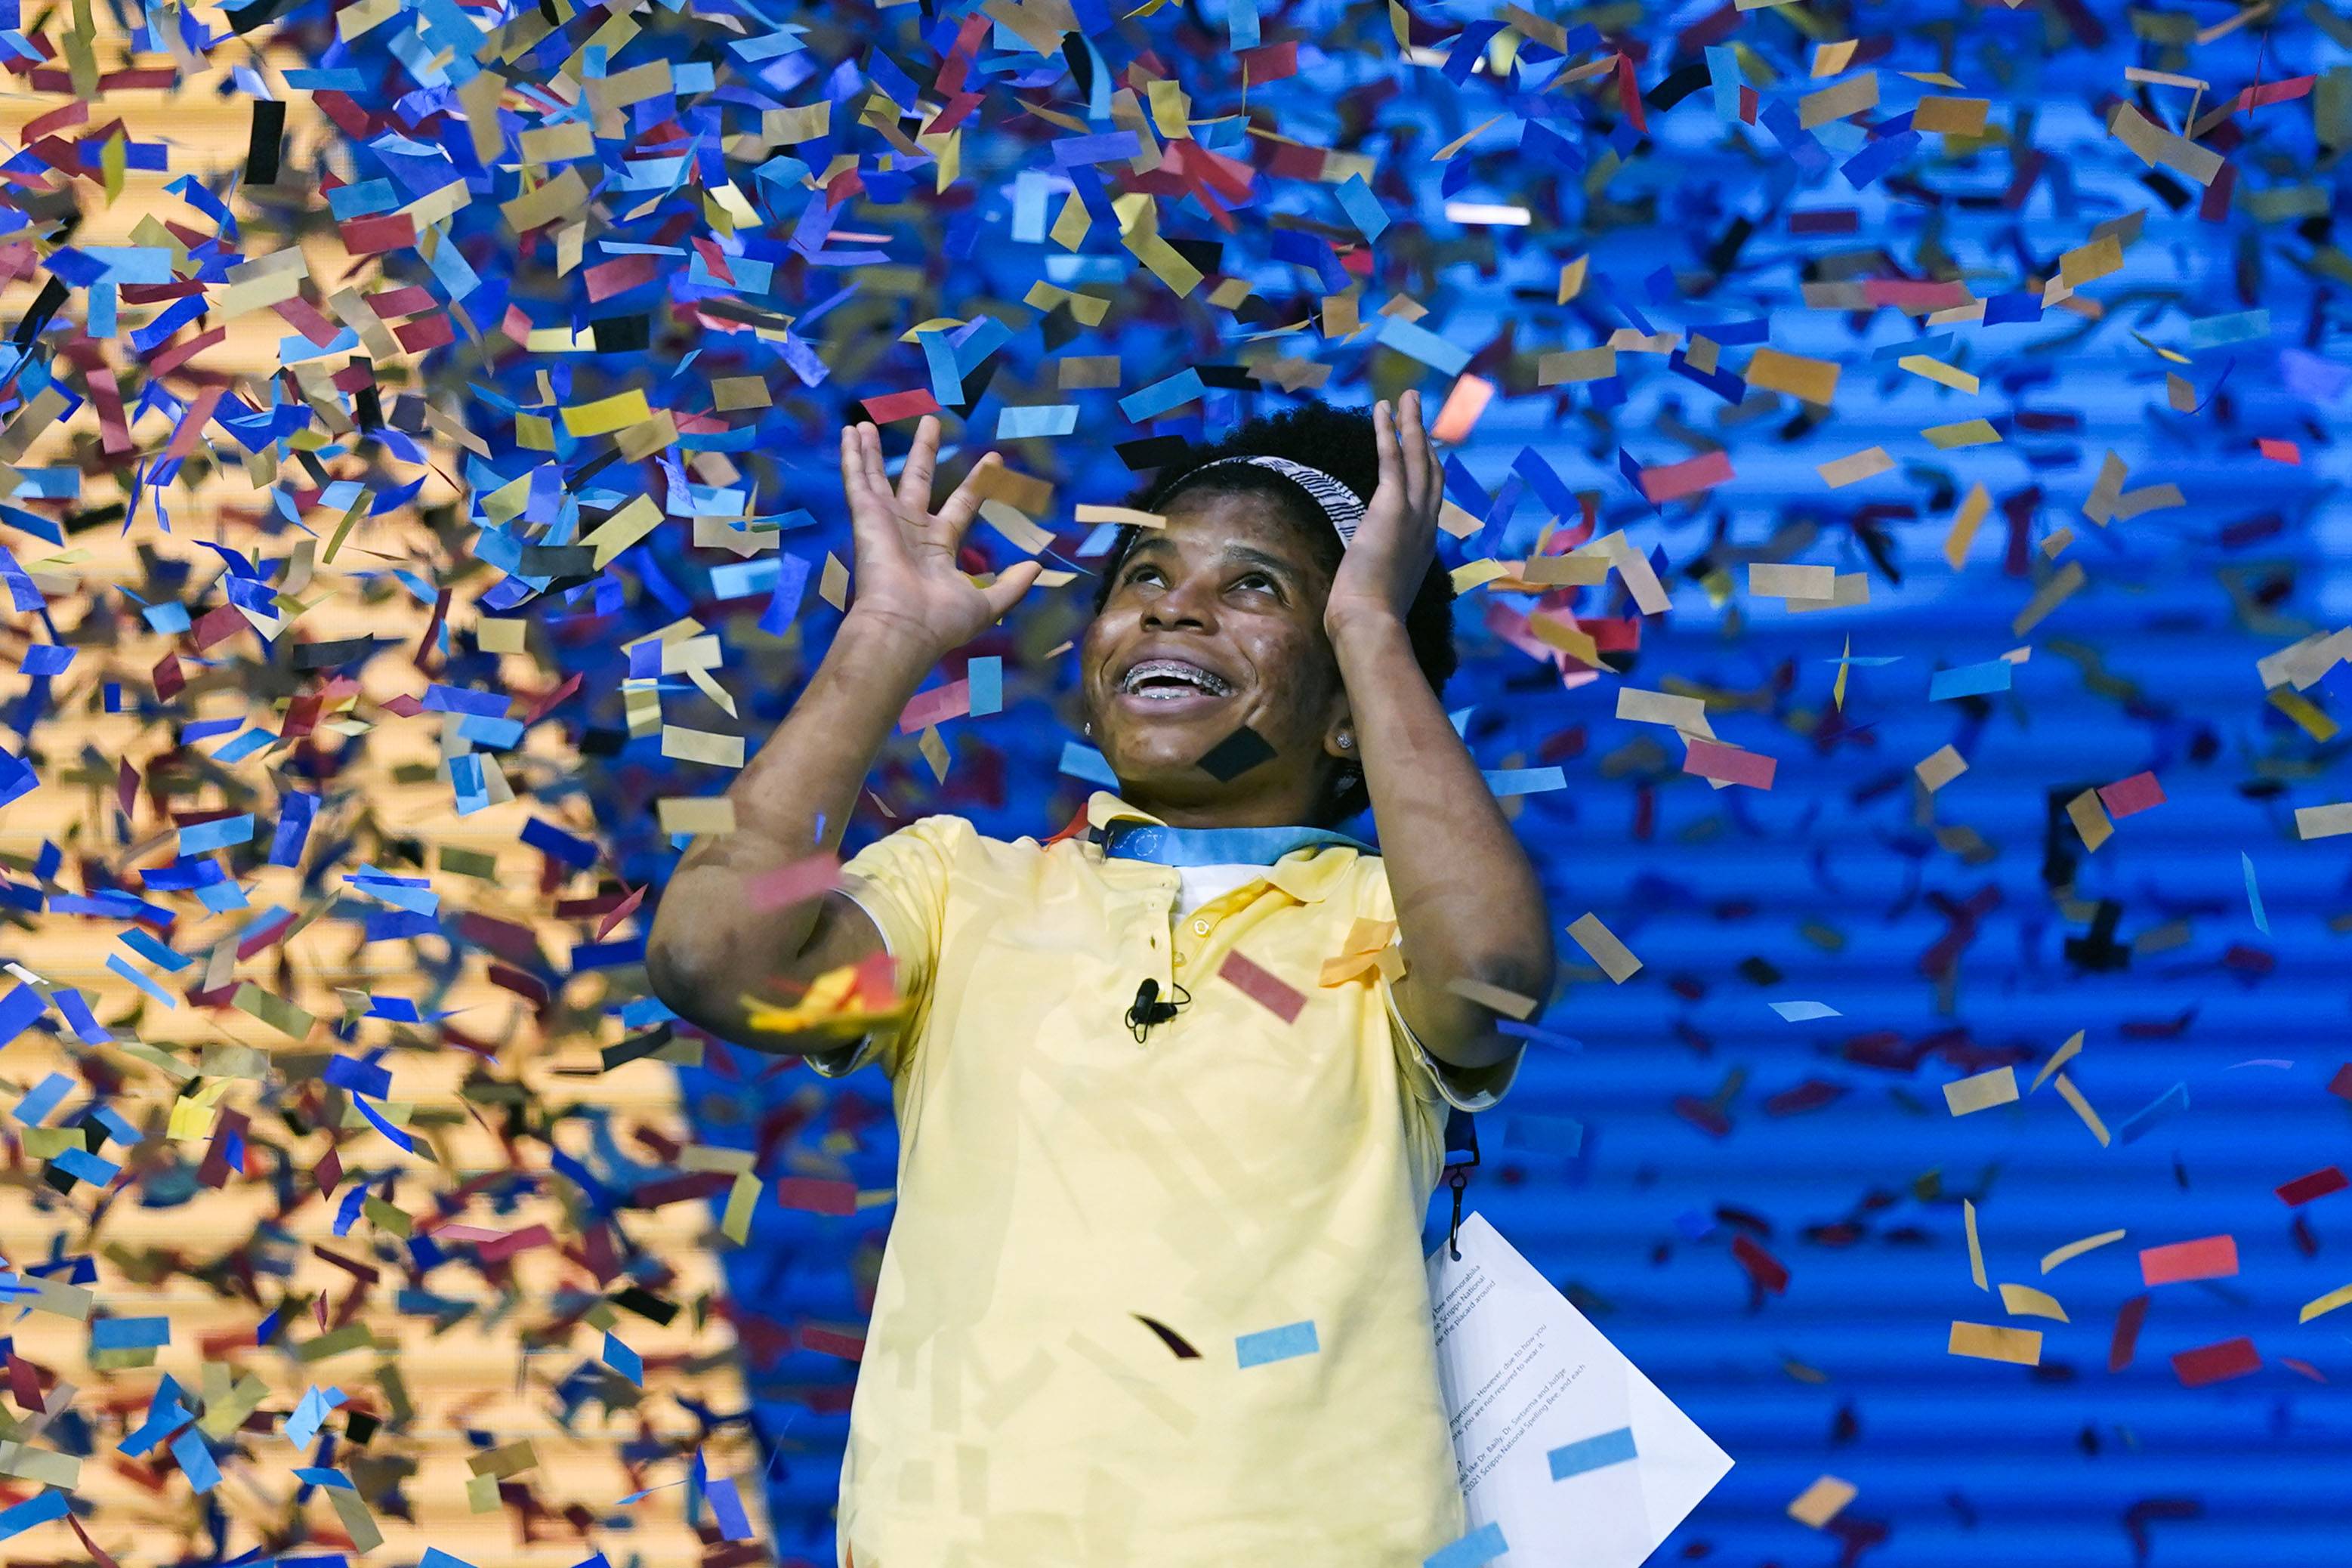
pixel 906 579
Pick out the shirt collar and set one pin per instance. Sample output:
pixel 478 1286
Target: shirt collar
pixel 1308 874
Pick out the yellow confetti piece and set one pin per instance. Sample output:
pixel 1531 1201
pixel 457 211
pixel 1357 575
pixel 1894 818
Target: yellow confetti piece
pixel 1952 116
pixel 2090 819
pixel 1938 371
pixel 2074 1249
pixel 1854 468
pixel 1810 380
pixel 1823 1501
pixel 2026 1301
pixel 1965 433
pixel 2059 1058
pixel 1987 1342
pixel 1981 1092
pixel 1975 1248
pixel 1572 280
pixel 2339 1297
pixel 1940 768
pixel 2304 712
pixel 2081 1107
pixel 1600 945
pixel 1568 365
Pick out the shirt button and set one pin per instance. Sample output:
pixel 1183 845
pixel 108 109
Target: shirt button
pixel 1180 960
pixel 1200 928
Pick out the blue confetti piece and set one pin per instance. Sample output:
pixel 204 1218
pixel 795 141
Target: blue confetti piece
pixel 2241 326
pixel 203 837
pixel 2254 894
pixel 1417 341
pixel 985 678
pixel 33 1510
pixel 1283 1344
pixel 1593 1454
pixel 84 1166
pixel 727 1506
pixel 1541 1036
pixel 1544 1134
pixel 1799 1012
pixel 2159 1110
pixel 1173 392
pixel 1481 1545
pixel 19 1010
pixel 623 1360
pixel 1972 680
pixel 1525 781
pixel 195 1460
pixel 130 1334
pixel 1083 761
pixel 1364 208
pixel 43 1098
pixel 1036 419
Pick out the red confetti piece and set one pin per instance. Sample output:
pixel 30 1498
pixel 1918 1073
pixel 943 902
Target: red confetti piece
pixel 1713 760
pixel 1268 990
pixel 2210 1258
pixel 1688 478
pixel 833 1341
pixel 952 701
pixel 895 406
pixel 1767 1270
pixel 792 884
pixel 813 1195
pixel 2317 1184
pixel 2341 1084
pixel 2217 1363
pixel 2125 797
pixel 2127 1336
pixel 2281 451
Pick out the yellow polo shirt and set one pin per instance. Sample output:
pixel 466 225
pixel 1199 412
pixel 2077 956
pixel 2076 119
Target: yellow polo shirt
pixel 1233 1175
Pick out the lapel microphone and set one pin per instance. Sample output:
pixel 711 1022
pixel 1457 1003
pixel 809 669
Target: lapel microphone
pixel 1149 1010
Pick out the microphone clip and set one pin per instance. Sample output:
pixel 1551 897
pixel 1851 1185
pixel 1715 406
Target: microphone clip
pixel 1149 1009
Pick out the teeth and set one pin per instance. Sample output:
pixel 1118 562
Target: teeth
pixel 1172 670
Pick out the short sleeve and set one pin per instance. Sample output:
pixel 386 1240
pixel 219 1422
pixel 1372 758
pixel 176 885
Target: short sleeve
pixel 901 881
pixel 1431 1080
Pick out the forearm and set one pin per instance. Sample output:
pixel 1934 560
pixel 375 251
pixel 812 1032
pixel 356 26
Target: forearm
pixel 791 801
pixel 1468 904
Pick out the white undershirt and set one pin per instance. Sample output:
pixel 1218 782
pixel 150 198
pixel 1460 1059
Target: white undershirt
pixel 1199 884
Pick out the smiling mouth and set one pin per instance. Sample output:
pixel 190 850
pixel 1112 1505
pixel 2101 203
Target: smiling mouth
pixel 1171 681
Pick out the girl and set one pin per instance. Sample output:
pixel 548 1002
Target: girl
pixel 1171 1087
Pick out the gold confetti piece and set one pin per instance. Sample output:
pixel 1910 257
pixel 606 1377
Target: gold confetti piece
pixel 1987 1342
pixel 1085 372
pixel 1680 712
pixel 2074 1249
pixel 275 1011
pixel 2154 144
pixel 735 1224
pixel 1854 96
pixel 2089 817
pixel 1781 580
pixel 935 751
pixel 1471 574
pixel 2059 1058
pixel 2026 1301
pixel 696 814
pixel 1854 468
pixel 1953 116
pixel 1981 1092
pixel 1600 945
pixel 1017 530
pixel 2339 1297
pixel 2057 543
pixel 1938 371
pixel 501 634
pixel 1565 571
pixel 833 582
pixel 1965 433
pixel 701 746
pixel 1086 511
pixel 2088 263
pixel 1975 1248
pixel 1794 374
pixel 2073 1096
pixel 1494 998
pixel 1569 365
pixel 1823 1501
pixel 2179 393
pixel 1571 284
pixel 1831 59
pixel 1940 767
pixel 2304 712
pixel 1964 523
pixel 2061 585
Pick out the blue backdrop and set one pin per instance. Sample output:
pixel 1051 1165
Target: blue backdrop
pixel 1765 1213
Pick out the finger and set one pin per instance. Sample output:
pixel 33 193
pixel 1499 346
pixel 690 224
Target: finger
pixel 915 476
pixel 962 507
pixel 877 469
pixel 1385 439
pixel 1011 584
pixel 1416 455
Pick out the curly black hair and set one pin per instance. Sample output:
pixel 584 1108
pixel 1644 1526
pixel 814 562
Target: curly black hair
pixel 1340 442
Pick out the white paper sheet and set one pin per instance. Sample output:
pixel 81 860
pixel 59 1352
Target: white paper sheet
pixel 1527 1377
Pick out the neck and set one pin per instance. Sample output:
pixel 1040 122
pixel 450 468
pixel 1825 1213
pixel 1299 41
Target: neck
pixel 1285 809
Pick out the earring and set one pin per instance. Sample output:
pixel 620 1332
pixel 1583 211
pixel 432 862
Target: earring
pixel 1347 741
pixel 1087 729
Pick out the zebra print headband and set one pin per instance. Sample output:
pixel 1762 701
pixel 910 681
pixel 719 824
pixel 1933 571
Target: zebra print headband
pixel 1340 503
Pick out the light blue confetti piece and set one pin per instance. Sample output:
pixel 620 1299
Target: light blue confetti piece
pixel 1419 342
pixel 985 679
pixel 1173 391
pixel 1723 74
pixel 154 951
pixel 43 1098
pixel 1036 419
pixel 1972 680
pixel 2254 894
pixel 2212 331
pixel 1460 720
pixel 130 1334
pixel 1525 781
pixel 167 618
pixel 435 1558
pixel 325 1476
pixel 1798 1012
pixel 203 837
pixel 1593 1454
pixel 1276 1344
pixel 85 1166
pixel 727 1509
pixel 1481 1545
pixel 1241 24
pixel 1080 762
pixel 1364 208
pixel 2157 1111
pixel 244 745
pixel 939 355
pixel 195 1460
pixel 623 1360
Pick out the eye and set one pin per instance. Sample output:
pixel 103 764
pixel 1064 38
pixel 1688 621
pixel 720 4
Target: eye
pixel 1259 580
pixel 1138 573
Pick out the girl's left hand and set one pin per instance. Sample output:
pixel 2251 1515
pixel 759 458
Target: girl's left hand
pixel 1389 558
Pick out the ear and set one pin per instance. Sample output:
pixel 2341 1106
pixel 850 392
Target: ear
pixel 1341 723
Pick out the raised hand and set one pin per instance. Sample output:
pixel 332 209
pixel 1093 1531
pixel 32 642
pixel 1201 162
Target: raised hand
pixel 1390 554
pixel 906 578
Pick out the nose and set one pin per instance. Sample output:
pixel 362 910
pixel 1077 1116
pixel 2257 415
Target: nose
pixel 1185 603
